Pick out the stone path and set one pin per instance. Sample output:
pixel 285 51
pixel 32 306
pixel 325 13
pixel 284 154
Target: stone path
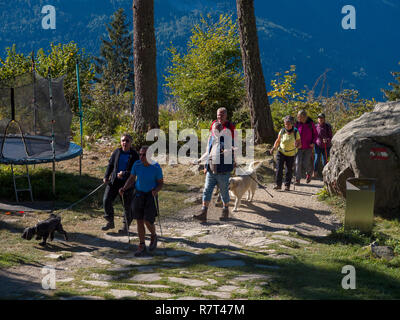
pixel 224 252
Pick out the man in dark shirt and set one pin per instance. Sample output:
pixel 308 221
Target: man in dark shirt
pixel 118 171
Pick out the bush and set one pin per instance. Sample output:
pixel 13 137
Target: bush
pixel 209 75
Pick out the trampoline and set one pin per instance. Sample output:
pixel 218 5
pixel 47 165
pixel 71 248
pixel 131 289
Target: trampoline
pixel 35 123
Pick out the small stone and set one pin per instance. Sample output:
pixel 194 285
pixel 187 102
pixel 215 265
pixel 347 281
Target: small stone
pixel 188 282
pixel 222 295
pixel 97 283
pixel 102 277
pixel 250 277
pixel 162 295
pixel 228 288
pixel 102 261
pixel 146 277
pixel 152 286
pixel 54 256
pixel 383 252
pixel 125 262
pixel 212 281
pixel 260 241
pixel 123 293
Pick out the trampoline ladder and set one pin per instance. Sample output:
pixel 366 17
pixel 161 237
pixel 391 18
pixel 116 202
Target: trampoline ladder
pixel 15 177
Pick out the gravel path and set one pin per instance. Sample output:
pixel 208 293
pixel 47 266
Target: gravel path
pixel 184 242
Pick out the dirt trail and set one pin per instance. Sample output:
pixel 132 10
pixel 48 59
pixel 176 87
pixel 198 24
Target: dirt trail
pixel 256 225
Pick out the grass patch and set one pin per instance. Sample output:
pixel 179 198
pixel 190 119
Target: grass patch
pixel 8 259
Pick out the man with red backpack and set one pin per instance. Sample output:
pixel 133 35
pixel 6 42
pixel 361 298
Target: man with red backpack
pixel 308 134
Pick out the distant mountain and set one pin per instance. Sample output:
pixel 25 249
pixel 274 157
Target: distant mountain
pixel 306 33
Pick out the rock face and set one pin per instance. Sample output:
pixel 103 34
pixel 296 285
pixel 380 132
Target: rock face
pixel 369 147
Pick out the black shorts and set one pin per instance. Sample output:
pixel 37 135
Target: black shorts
pixel 144 207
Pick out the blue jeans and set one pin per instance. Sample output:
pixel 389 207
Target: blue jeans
pixel 320 153
pixel 222 180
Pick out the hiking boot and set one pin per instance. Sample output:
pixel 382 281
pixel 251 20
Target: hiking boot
pixel 315 174
pixel 277 188
pixel 308 178
pixel 287 188
pixel 225 214
pixel 124 229
pixel 108 226
pixel 141 250
pixel 153 242
pixel 202 216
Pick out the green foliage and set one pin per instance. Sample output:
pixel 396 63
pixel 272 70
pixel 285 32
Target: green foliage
pixel 14 64
pixel 107 112
pixel 339 109
pixel 115 64
pixel 209 75
pixel 60 60
pixel 394 94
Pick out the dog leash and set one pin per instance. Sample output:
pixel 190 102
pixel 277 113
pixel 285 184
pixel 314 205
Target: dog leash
pixel 259 184
pixel 84 198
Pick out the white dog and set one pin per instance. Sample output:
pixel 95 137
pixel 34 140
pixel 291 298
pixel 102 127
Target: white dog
pixel 242 183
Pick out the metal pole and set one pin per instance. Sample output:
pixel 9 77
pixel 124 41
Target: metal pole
pixel 52 132
pixel 80 115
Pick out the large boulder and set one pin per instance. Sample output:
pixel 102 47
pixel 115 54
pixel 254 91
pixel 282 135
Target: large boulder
pixel 369 147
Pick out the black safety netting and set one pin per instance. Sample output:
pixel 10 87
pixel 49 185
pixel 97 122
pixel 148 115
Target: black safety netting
pixel 29 118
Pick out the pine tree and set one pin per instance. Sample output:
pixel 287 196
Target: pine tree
pixel 393 94
pixel 115 64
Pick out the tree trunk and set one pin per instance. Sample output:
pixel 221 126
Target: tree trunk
pixel 144 49
pixel 257 99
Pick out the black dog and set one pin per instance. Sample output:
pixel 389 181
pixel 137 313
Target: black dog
pixel 44 229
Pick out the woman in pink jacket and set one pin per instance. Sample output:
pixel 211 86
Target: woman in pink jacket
pixel 308 134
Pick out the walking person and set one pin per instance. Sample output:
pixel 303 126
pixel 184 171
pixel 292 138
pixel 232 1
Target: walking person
pixel 287 144
pixel 117 172
pixel 323 143
pixel 219 165
pixel 308 135
pixel 148 179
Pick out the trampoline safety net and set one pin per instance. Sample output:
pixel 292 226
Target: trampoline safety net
pixel 28 118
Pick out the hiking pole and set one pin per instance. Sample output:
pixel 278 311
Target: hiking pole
pixel 326 155
pixel 158 213
pixel 125 218
pixel 159 220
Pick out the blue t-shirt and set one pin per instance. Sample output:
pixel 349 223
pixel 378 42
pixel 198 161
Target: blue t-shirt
pixel 123 161
pixel 146 177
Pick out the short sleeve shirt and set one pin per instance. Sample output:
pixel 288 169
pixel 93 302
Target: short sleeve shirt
pixel 146 177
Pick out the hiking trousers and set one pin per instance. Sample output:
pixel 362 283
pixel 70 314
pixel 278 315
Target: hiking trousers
pixel 303 163
pixel 110 194
pixel 281 160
